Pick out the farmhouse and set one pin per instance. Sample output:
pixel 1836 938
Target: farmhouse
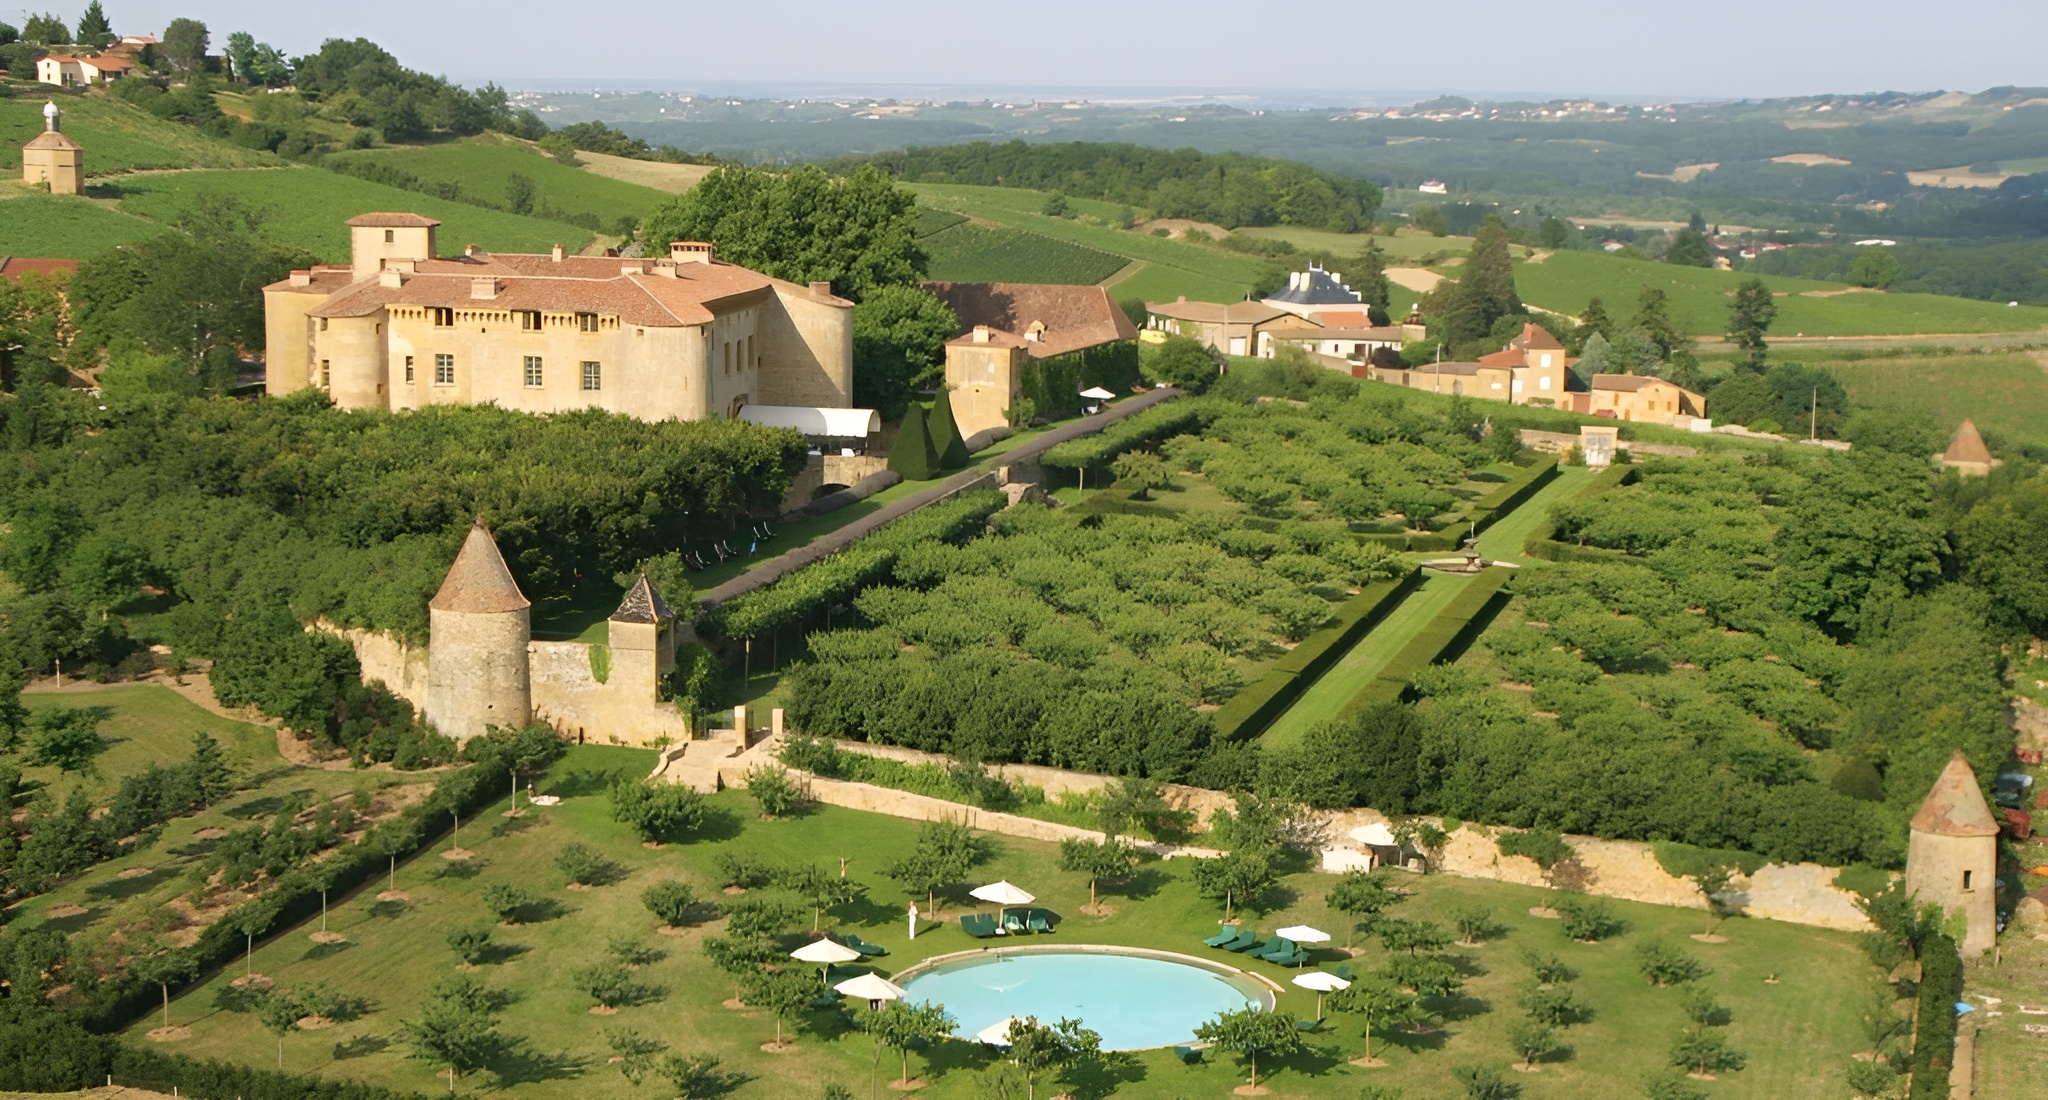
pixel 1313 291
pixel 1010 330
pixel 1234 328
pixel 53 160
pixel 1531 370
pixel 66 71
pixel 682 337
pixel 1639 397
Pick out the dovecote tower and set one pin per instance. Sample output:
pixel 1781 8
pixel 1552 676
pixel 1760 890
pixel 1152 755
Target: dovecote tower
pixel 1952 854
pixel 54 159
pixel 479 624
pixel 643 637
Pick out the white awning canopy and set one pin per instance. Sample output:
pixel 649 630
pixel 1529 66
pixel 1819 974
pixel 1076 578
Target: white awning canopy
pixel 832 423
pixel 1376 834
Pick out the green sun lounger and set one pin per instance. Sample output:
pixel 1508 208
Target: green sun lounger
pixel 1343 970
pixel 1038 921
pixel 1219 939
pixel 1246 941
pixel 868 950
pixel 976 925
pixel 1014 924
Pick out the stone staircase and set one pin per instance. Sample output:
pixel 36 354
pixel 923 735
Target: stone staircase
pixel 722 757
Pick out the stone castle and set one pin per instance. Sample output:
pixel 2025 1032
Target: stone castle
pixel 482 667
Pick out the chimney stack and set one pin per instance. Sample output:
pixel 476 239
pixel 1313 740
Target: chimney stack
pixel 821 288
pixel 483 287
pixel 302 278
pixel 691 252
pixel 471 250
pixel 981 334
pixel 391 277
pixel 558 253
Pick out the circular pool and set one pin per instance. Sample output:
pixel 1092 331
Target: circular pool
pixel 1133 999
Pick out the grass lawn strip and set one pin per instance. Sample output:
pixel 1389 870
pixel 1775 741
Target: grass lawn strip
pixel 394 955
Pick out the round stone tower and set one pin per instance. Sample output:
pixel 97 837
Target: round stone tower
pixel 1952 854
pixel 479 625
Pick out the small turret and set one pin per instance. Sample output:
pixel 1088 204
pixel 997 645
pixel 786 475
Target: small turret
pixel 642 635
pixel 479 625
pixel 1952 854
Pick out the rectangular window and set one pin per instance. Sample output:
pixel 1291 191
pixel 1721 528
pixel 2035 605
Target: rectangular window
pixel 323 324
pixel 1966 880
pixel 408 368
pixel 593 376
pixel 444 370
pixel 529 320
pixel 324 375
pixel 444 317
pixel 389 236
pixel 533 370
pixel 586 322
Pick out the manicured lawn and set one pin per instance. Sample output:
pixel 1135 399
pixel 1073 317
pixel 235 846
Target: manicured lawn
pixel 149 724
pixel 484 166
pixel 1363 662
pixel 308 208
pixel 118 137
pixel 1699 299
pixel 1797 1033
pixel 64 226
pixel 2006 395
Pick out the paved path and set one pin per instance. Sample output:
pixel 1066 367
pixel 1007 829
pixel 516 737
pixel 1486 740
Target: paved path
pixel 1363 662
pixel 775 569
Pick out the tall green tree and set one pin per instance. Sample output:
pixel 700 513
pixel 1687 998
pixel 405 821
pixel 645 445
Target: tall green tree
pixel 1368 276
pixel 1689 248
pixel 1874 267
pixel 1489 273
pixel 1750 314
pixel 1653 316
pixel 856 232
pixel 899 346
pixel 900 1026
pixel 1107 858
pixel 184 45
pixel 93 28
pixel 1593 320
pixel 1251 1032
pixel 45 30
pixel 457 1027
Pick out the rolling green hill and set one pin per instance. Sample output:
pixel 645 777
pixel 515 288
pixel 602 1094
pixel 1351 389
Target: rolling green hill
pixel 1565 281
pixel 307 207
pixel 65 227
pixel 483 167
pixel 970 252
pixel 118 137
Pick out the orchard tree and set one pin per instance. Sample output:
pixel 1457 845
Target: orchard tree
pixel 1238 878
pixel 1251 1032
pixel 1108 858
pixel 457 1027
pixel 900 1026
pixel 670 900
pixel 657 811
pixel 633 1053
pixel 1374 997
pixel 164 968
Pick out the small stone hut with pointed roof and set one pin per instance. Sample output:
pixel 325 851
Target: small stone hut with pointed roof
pixel 1967 454
pixel 479 625
pixel 1952 854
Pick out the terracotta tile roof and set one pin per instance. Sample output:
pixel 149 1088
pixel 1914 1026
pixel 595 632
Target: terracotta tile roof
pixel 1241 313
pixel 51 139
pixel 642 605
pixel 12 268
pixel 1508 358
pixel 478 582
pixel 1344 318
pixel 1623 383
pixel 392 221
pixel 1448 370
pixel 1074 317
pixel 997 338
pixel 108 64
pixel 626 289
pixel 1967 446
pixel 1535 338
pixel 1955 807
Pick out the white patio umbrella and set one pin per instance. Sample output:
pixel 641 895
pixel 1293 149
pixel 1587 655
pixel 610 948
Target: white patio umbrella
pixel 872 988
pixel 1097 393
pixel 1003 893
pixel 996 1034
pixel 1302 933
pixel 1322 981
pixel 825 951
pixel 1376 834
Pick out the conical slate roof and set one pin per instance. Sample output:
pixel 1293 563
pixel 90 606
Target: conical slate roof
pixel 1955 807
pixel 1967 446
pixel 643 605
pixel 478 581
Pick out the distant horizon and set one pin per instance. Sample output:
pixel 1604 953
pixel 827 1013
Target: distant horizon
pixel 1676 51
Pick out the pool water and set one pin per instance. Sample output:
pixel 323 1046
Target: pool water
pixel 1133 1001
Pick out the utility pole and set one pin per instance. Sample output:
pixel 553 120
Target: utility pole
pixel 1813 416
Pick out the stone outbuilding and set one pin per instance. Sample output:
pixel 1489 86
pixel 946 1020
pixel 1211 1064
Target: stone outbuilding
pixel 1952 854
pixel 51 159
pixel 478 627
pixel 1967 454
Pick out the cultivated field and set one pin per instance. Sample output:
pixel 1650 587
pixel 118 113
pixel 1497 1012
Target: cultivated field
pixel 2007 395
pixel 63 226
pixel 971 252
pixel 307 208
pixel 672 178
pixel 118 137
pixel 484 166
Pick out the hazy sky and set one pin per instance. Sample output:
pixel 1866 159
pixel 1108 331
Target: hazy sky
pixel 1635 48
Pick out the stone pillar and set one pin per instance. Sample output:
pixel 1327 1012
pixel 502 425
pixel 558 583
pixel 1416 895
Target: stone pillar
pixel 739 721
pixel 775 723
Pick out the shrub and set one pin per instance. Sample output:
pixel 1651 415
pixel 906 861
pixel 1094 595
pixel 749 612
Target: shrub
pixel 773 789
pixel 657 811
pixel 508 901
pixel 670 900
pixel 582 864
pixel 743 869
pixel 1934 1036
pixel 1665 965
pixel 1590 921
pixel 472 942
pixel 1545 846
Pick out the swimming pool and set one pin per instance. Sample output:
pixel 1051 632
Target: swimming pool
pixel 1133 999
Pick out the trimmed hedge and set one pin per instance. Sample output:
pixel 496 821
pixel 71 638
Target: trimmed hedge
pixel 1155 424
pixel 1541 544
pixel 1263 701
pixel 1488 510
pixel 210 1079
pixel 1442 639
pixel 840 577
pixel 1934 1021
